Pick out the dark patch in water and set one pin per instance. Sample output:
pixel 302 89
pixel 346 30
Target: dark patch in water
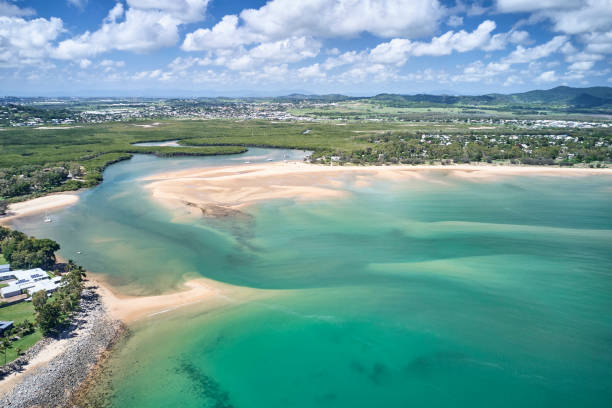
pixel 326 398
pixel 426 364
pixel 379 373
pixel 205 386
pixel 357 366
pixel 213 345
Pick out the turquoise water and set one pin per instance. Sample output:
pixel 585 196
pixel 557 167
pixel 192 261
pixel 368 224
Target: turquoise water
pixel 432 292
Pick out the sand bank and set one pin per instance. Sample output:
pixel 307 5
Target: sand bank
pixel 206 293
pixel 222 191
pixel 39 205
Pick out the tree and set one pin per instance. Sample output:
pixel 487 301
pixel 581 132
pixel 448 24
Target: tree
pixel 48 317
pixel 39 300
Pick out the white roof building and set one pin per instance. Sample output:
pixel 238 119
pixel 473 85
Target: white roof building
pixel 30 281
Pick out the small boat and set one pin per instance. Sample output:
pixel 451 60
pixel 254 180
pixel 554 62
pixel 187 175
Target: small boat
pixel 78 252
pixel 247 162
pixel 270 159
pixel 47 218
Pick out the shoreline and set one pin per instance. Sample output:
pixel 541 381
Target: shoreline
pixel 59 366
pixel 57 369
pixel 39 205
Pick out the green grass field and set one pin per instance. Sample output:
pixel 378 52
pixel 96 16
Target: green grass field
pixel 18 313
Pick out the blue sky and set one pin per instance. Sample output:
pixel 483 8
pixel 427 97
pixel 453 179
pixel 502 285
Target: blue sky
pixel 355 47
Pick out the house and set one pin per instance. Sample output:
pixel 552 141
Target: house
pixel 28 281
pixel 4 326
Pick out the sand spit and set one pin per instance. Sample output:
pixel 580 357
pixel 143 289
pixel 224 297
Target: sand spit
pixel 206 293
pixel 39 205
pixel 54 368
pixel 223 191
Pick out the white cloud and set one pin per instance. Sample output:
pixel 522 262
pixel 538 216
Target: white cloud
pixel 598 42
pixel 289 50
pixel 311 72
pixel 27 42
pixel 460 41
pixel 114 14
pixel 181 64
pixel 581 66
pixel 349 57
pixel 11 10
pixel 568 16
pixel 225 34
pixel 478 71
pixel 594 15
pixel 84 63
pixel 524 55
pixel 147 25
pixel 547 76
pixel 398 50
pixel 279 19
pixel 331 18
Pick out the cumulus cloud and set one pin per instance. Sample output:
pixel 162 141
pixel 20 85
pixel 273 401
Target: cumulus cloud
pixel 398 50
pixel 547 76
pixel 279 19
pixel 27 42
pixel 225 34
pixel 594 15
pixel 524 55
pixel 311 72
pixel 145 26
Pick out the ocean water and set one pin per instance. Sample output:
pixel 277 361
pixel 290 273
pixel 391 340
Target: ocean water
pixel 427 292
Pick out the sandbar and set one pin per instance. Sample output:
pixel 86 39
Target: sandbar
pixel 207 294
pixel 222 191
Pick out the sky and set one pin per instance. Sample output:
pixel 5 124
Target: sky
pixel 276 47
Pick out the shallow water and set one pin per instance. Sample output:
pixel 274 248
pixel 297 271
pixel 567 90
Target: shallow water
pixel 434 292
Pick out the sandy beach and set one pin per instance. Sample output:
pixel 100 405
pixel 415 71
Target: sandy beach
pixel 206 293
pixel 223 191
pixel 39 205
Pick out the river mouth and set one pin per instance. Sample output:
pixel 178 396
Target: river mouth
pixel 429 291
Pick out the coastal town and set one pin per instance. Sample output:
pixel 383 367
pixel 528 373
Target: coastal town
pixel 37 112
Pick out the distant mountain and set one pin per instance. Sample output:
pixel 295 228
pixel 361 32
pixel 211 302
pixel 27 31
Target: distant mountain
pixel 314 98
pixel 563 94
pixel 561 97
